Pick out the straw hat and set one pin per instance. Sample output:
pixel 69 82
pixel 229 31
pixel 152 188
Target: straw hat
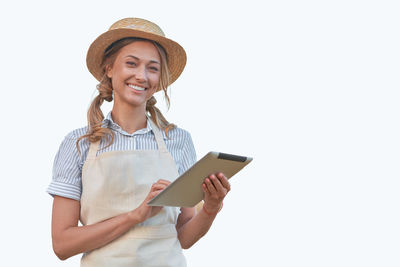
pixel 135 27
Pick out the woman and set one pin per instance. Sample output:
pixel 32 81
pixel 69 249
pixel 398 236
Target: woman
pixel 104 174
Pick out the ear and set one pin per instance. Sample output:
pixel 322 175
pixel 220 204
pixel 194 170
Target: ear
pixel 109 71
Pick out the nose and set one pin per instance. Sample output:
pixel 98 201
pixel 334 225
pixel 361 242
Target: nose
pixel 140 73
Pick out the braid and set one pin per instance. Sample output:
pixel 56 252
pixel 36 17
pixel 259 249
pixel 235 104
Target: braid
pixel 95 116
pixel 157 117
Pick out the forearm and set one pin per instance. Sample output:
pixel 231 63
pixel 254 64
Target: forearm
pixel 215 188
pixel 194 229
pixel 78 239
pixel 70 239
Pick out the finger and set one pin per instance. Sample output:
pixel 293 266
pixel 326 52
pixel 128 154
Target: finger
pixel 158 186
pixel 205 189
pixel 224 181
pixel 221 191
pixel 213 178
pixel 162 181
pixel 217 184
pixel 154 193
pixel 210 186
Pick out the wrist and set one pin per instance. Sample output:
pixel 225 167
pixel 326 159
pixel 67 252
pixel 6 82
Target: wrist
pixel 212 211
pixel 134 217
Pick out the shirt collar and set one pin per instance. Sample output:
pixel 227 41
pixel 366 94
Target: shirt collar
pixel 109 123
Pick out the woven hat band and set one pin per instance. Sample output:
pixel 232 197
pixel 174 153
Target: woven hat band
pixel 138 24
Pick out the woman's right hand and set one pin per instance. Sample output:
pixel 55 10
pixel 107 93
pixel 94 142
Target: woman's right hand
pixel 144 211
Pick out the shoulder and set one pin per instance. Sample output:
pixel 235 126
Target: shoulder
pixel 186 154
pixel 67 166
pixel 178 132
pixel 76 133
pixel 182 139
pixel 68 145
pixel 179 135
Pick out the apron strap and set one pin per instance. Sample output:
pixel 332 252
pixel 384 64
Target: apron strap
pixel 159 139
pixel 93 150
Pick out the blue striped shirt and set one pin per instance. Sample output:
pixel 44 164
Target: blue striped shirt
pixel 67 167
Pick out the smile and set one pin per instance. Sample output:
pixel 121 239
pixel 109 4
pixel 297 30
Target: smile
pixel 138 88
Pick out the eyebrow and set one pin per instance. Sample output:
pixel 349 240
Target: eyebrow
pixel 151 61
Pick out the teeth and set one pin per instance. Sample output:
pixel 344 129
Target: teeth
pixel 136 87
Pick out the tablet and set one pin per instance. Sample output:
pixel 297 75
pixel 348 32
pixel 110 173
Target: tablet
pixel 186 190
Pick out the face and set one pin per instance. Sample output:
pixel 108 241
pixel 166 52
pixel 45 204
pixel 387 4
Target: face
pixel 135 74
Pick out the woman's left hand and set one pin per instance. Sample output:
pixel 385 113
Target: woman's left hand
pixel 215 188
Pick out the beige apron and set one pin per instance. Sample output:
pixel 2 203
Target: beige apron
pixel 116 182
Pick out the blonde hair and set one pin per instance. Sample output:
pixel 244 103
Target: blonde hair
pixel 95 116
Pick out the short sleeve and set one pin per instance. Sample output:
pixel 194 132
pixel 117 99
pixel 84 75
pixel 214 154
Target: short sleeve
pixel 67 170
pixel 188 154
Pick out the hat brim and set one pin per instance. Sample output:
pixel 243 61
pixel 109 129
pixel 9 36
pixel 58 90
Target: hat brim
pixel 176 55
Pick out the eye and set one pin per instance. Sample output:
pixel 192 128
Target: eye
pixel 131 63
pixel 153 68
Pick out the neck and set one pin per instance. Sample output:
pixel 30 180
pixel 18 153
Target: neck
pixel 130 119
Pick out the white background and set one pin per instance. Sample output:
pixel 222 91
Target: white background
pixel 310 89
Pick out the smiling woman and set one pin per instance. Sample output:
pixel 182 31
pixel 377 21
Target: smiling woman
pixel 105 174
pixel 122 59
